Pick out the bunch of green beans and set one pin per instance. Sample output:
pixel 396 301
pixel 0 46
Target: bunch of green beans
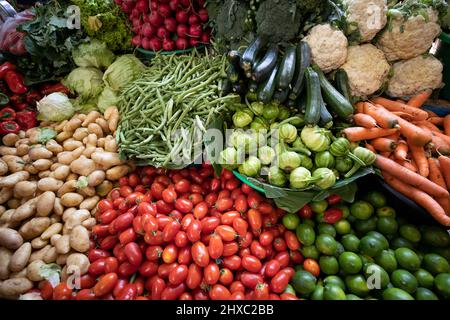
pixel 165 111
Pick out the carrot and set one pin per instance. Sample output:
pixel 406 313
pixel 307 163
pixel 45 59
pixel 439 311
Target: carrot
pixel 439 121
pixel 383 144
pixel 404 115
pixel 431 113
pixel 435 173
pixel 395 136
pixel 386 154
pixel 428 125
pixel 358 133
pixel 420 197
pixel 408 165
pixel 409 177
pixel 400 100
pixel 444 163
pixel 440 145
pixel 418 154
pixel 370 147
pixel 419 99
pixel 415 134
pixel 364 120
pixel 418 114
pixel 447 125
pixel 384 118
pixel 360 107
pixel 401 151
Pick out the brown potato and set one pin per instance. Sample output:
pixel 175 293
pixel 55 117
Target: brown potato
pixel 51 230
pixel 34 270
pixel 71 199
pixel 26 210
pixel 44 174
pixel 39 255
pixel 80 134
pixel 63 136
pixel 54 147
pixel 60 126
pixel 13 179
pixel 79 239
pixel 91 117
pixel 42 164
pixel 61 172
pixel 55 238
pixel 111 145
pixel 5 259
pixel 71 144
pixel 89 223
pixel 15 163
pixel 104 188
pixel 51 255
pixel 10 139
pixel 13 288
pixel 68 213
pixel 38 243
pixel 58 207
pixel 75 218
pixel 45 204
pixel 87 192
pixel 36 153
pixel 62 259
pixel 5 194
pixel 79 260
pixel 95 129
pixel 3 167
pixel 30 169
pixel 21 274
pixel 82 166
pixel 6 220
pixel 72 124
pixel 22 149
pixel 117 172
pixel 34 227
pixel 62 245
pixel 106 159
pixel 54 218
pixel 19 259
pixel 14 203
pixel 90 203
pixel 103 124
pixel 10 238
pixel 49 184
pixel 96 177
pixel 25 189
pixel 112 115
pixel 4 150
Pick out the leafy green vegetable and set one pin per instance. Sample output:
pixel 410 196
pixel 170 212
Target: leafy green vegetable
pixel 55 107
pixel 124 70
pixel 93 54
pixel 46 134
pixel 107 98
pixel 85 82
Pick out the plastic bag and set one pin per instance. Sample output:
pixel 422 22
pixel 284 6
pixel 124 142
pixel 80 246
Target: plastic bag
pixel 10 39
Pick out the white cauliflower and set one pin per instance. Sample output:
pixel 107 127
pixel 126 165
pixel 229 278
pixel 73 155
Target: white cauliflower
pixel 366 68
pixel 415 75
pixel 403 40
pixel 328 47
pixel 369 16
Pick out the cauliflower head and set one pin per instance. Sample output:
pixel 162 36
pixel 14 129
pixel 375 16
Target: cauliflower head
pixel 369 16
pixel 328 47
pixel 366 68
pixel 415 75
pixel 403 40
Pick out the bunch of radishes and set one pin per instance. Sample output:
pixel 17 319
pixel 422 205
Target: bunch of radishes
pixel 167 24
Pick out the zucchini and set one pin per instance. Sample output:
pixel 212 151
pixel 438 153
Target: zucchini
pixel 250 54
pixel 232 74
pixel 234 58
pixel 253 86
pixel 334 99
pixel 239 87
pixel 262 70
pixel 341 80
pixel 287 68
pixel 291 103
pixel 280 96
pixel 267 88
pixel 326 119
pixel 313 97
pixel 225 87
pixel 302 62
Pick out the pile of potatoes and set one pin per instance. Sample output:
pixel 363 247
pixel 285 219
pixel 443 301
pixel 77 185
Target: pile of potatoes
pixel 49 193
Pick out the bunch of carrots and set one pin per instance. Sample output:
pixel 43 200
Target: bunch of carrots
pixel 412 147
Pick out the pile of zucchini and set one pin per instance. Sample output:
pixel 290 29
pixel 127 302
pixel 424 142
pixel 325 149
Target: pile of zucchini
pixel 262 73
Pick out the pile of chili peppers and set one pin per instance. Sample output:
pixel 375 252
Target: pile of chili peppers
pixel 18 101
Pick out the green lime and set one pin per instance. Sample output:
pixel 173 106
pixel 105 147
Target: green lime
pixel 350 262
pixel 445 252
pixel 309 222
pixel 290 289
pixel 404 280
pixel 310 252
pixel 333 292
pixel 326 228
pixel 376 276
pixel 342 227
pixel 376 198
pixel 319 217
pixel 407 259
pixel 424 278
pixel 350 242
pixel 435 263
pixel 326 244
pixel 345 210
pixel 366 259
pixel 386 212
pixel 305 234
pixel 339 249
pixel 304 282
pixel 299 267
pixel 387 225
pixel 386 259
pixel 380 237
pixel 410 232
pixel 371 246
pixel 361 209
pixel 425 294
pixel 291 221
pixel 352 297
pixel 334 280
pixel 400 242
pixel 442 284
pixel 357 284
pixel 396 294
pixel 317 294
pixel 319 206
pixel 436 237
pixel 328 265
pixel 364 226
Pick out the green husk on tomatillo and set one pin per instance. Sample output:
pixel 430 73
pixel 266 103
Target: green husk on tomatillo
pixel 228 158
pixel 251 167
pixel 277 177
pixel 287 132
pixel 305 161
pixel 271 112
pixel 299 146
pixel 324 159
pixel 315 138
pixel 259 123
pixel 300 178
pixel 257 108
pixel 341 147
pixel 324 178
pixel 283 113
pixel 288 161
pixel 242 118
pixel 365 155
pixel 266 154
pixel 343 164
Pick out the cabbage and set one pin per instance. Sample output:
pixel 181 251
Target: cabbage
pixel 85 105
pixel 55 107
pixel 125 69
pixel 107 99
pixel 93 54
pixel 85 82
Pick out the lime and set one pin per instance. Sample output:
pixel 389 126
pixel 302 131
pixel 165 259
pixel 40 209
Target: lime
pixel 291 221
pixel 350 262
pixel 310 252
pixel 304 282
pixel 319 206
pixel 404 280
pixel 380 237
pixel 361 209
pixel 386 212
pixel 425 294
pixel 442 284
pixel 445 252
pixel 334 280
pixel 305 234
pixel 339 249
pixel 386 259
pixel 410 232
pixel 424 278
pixel 376 198
pixel 400 242
pixel 352 297
pixel 326 228
pixel 396 294
pixel 435 263
pixel 387 225
pixel 342 227
pixel 309 222
pixel 407 259
pixel 357 284
pixel 317 294
pixel 326 244
pixel 328 265
pixel 377 277
pixel 333 292
pixel 345 210
pixel 364 226
pixel 350 242
pixel 371 246
pixel 436 237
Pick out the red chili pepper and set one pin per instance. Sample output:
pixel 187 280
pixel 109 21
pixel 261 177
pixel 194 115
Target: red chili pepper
pixel 26 119
pixel 7 114
pixel 5 67
pixel 16 99
pixel 334 199
pixel 33 96
pixel 9 127
pixel 58 87
pixel 332 215
pixel 15 82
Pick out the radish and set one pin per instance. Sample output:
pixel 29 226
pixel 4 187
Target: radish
pixel 182 16
pixel 126 8
pixel 201 3
pixel 170 24
pixel 185 3
pixel 203 15
pixel 118 2
pixel 135 13
pixel 162 33
pixel 154 5
pixel 193 19
pixel 182 30
pixel 136 41
pixel 174 5
pixel 156 19
pixel 181 43
pixel 146 44
pixel 164 10
pixel 205 38
pixel 195 31
pixel 168 45
pixel 142 6
pixel 155 44
pixel 136 22
pixel 193 42
pixel 164 1
pixel 146 18
pixel 147 30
